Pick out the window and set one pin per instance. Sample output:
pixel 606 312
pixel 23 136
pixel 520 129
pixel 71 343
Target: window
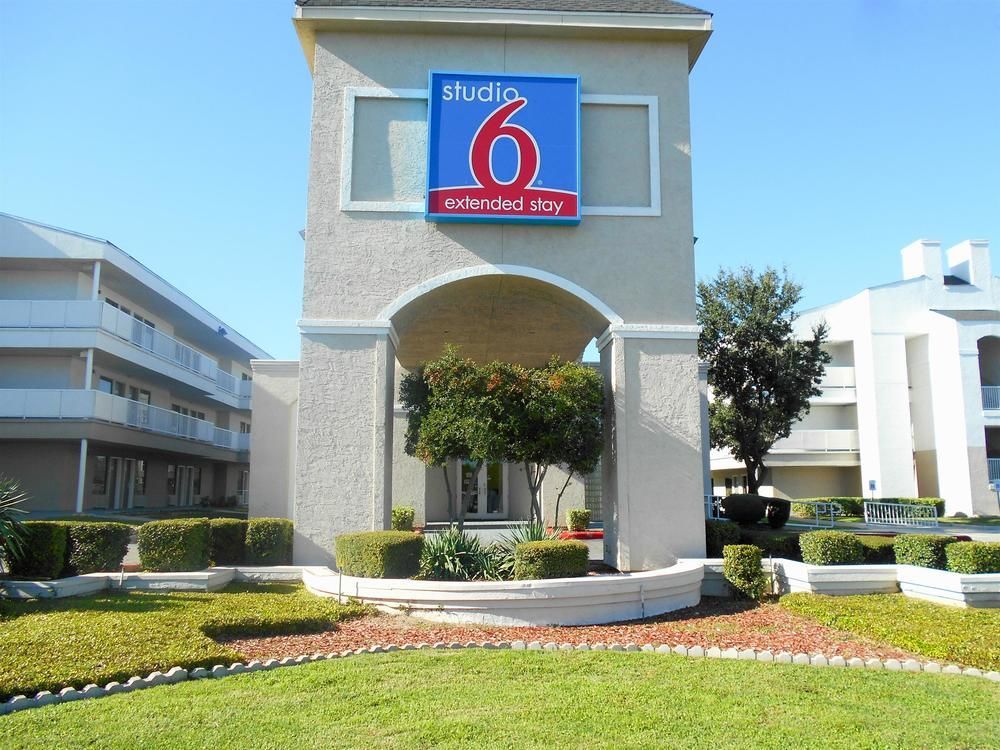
pixel 140 477
pixel 198 415
pixel 171 479
pixel 119 388
pixel 196 481
pixel 245 376
pixel 99 484
pixel 105 385
pixel 245 428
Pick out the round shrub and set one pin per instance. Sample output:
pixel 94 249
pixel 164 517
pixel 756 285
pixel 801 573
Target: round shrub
pixel 269 541
pixel 923 550
pixel 44 554
pixel 777 512
pixel 877 550
pixel 228 541
pixel 379 554
pixel 743 508
pixel 741 568
pixel 718 534
pixel 973 557
pixel 550 559
pixel 95 547
pixel 174 545
pixel 831 548
pixel 402 518
pixel 578 519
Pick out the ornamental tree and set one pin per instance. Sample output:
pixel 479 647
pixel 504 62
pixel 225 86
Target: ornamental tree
pixel 761 376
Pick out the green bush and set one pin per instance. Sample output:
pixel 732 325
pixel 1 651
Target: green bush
pixel 228 541
pixel 578 519
pixel 743 508
pixel 44 550
pixel 777 512
pixel 269 541
pixel 379 554
pixel 973 557
pixel 937 502
pixel 454 555
pixel 877 550
pixel 849 506
pixel 402 518
pixel 501 567
pixel 925 550
pixel 553 559
pixel 831 548
pixel 718 534
pixel 174 544
pixel 95 547
pixel 741 568
pixel 782 544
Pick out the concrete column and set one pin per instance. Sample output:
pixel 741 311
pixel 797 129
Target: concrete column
pixel 95 281
pixel 88 374
pixel 343 472
pixel 653 475
pixel 884 432
pixel 706 440
pixel 81 475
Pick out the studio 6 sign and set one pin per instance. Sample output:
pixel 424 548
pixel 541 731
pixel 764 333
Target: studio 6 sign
pixel 503 148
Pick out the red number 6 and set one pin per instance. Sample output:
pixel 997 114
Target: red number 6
pixel 493 128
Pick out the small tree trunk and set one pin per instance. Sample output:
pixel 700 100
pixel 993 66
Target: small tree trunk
pixel 465 494
pixel 555 516
pixel 755 470
pixel 451 499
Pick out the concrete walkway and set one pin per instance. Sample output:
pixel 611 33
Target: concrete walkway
pixel 975 532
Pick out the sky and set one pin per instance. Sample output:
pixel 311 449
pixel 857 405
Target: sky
pixel 826 135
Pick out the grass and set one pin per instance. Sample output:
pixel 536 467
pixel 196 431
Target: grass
pixel 980 521
pixel 503 699
pixel 967 636
pixel 48 644
pixel 139 516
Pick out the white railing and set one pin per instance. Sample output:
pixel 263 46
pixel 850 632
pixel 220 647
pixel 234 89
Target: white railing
pixel 838 385
pixel 98 314
pixel 27 403
pixel 994 469
pixel 801 441
pixel 894 514
pixel 713 508
pixel 822 514
pixel 991 397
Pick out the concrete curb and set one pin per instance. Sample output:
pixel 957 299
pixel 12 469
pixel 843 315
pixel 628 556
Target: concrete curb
pixel 179 674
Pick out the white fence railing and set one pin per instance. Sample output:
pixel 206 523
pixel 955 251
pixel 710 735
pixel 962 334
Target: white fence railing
pixel 894 514
pixel 713 507
pixel 838 385
pixel 27 403
pixel 994 469
pixel 818 440
pixel 991 397
pixel 98 314
pixel 822 514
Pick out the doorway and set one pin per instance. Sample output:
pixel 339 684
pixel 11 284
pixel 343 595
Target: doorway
pixel 486 493
pixel 121 482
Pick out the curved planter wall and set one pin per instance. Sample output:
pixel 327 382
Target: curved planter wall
pixel 590 600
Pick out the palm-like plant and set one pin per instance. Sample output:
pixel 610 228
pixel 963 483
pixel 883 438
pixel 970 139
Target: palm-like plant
pixel 12 532
pixel 503 548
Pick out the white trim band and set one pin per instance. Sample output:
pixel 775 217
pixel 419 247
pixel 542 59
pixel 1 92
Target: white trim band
pixel 648 331
pixel 323 327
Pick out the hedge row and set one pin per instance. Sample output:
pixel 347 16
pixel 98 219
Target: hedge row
pixel 195 543
pixel 55 549
pixel 550 559
pixel 855 506
pixel 379 554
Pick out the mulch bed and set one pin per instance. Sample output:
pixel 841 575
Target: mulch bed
pixel 714 622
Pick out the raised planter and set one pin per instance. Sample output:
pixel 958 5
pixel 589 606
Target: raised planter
pixel 55 589
pixel 833 580
pixel 211 579
pixel 956 589
pixel 588 600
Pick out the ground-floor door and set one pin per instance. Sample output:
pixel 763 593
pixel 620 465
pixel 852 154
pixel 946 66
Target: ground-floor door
pixel 185 485
pixel 486 492
pixel 121 482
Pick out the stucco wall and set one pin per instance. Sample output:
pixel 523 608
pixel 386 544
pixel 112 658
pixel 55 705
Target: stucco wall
pixel 46 471
pixel 272 464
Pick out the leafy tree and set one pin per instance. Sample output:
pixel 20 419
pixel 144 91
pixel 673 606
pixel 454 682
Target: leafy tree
pixel 761 376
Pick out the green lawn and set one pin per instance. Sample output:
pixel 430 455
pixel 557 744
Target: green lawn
pixel 966 636
pixel 48 644
pixel 139 516
pixel 503 699
pixel 980 521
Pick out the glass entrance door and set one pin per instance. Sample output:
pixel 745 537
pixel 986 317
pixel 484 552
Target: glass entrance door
pixel 486 493
pixel 121 482
pixel 185 484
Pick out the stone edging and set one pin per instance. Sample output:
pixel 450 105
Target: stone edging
pixel 179 674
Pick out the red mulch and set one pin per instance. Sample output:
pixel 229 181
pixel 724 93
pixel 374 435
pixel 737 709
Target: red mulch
pixel 714 622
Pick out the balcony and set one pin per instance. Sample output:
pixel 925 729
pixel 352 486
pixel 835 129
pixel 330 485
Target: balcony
pixel 79 404
pixel 994 469
pixel 838 386
pixel 90 314
pixel 991 397
pixel 818 441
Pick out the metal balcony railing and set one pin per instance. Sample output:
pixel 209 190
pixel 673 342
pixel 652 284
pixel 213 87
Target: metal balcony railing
pixel 991 397
pixel 994 469
pixel 818 440
pixel 27 403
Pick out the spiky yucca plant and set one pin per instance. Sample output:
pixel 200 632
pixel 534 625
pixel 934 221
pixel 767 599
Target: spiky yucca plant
pixel 12 532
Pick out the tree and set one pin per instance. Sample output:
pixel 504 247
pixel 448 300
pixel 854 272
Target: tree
pixel 761 376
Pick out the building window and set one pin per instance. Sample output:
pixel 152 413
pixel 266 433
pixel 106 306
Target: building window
pixel 105 385
pixel 140 477
pixel 245 428
pixel 171 479
pixel 196 481
pixel 99 483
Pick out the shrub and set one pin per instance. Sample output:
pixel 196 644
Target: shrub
pixel 877 550
pixel 784 544
pixel 95 547
pixel 228 541
pixel 379 554
pixel 174 544
pixel 743 508
pixel 718 534
pixel 741 568
pixel 925 550
pixel 402 518
pixel 11 526
pixel 830 548
pixel 502 550
pixel 777 512
pixel 578 519
pixel 43 553
pixel 550 559
pixel 454 555
pixel 973 557
pixel 269 541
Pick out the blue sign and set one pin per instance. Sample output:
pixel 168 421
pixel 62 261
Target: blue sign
pixel 503 148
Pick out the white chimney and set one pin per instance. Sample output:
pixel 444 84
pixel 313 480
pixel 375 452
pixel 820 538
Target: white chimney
pixel 970 261
pixel 922 258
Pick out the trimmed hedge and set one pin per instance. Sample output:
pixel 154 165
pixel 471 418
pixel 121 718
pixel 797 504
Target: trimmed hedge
pixel 718 534
pixel 831 548
pixel 578 519
pixel 175 545
pixel 550 559
pixel 741 568
pixel 379 554
pixel 44 550
pixel 402 518
pixel 973 557
pixel 95 547
pixel 743 508
pixel 777 512
pixel 877 550
pixel 782 544
pixel 924 550
pixel 855 506
pixel 269 541
pixel 228 541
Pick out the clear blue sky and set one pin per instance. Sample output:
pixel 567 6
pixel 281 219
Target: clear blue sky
pixel 826 135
